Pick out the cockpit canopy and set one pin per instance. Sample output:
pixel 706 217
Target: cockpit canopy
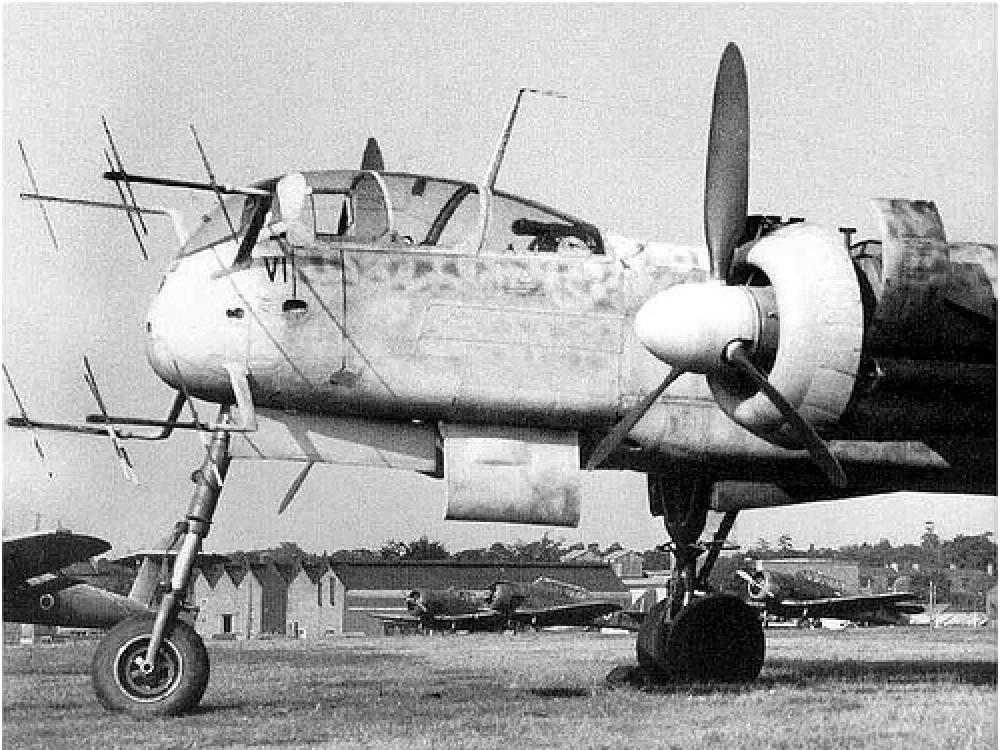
pixel 395 208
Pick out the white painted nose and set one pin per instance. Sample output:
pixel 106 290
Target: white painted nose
pixel 197 325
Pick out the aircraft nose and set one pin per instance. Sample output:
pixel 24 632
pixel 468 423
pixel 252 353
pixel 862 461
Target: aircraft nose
pixel 196 326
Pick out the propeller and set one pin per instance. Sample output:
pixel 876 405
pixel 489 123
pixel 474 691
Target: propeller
pixel 615 438
pixel 727 162
pixel 758 586
pixel 725 209
pixel 713 328
pixel 737 355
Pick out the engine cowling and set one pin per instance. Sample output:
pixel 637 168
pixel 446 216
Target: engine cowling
pixel 799 317
pixel 817 302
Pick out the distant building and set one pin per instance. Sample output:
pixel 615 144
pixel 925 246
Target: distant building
pixel 875 579
pixel 315 603
pixel 969 589
pixel 625 563
pixel 239 600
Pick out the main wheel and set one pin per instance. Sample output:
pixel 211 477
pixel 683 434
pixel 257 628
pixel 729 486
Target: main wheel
pixel 651 641
pixel 714 639
pixel 176 682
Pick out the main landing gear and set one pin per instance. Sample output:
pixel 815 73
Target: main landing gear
pixel 157 665
pixel 689 637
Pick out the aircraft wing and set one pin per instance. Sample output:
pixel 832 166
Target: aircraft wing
pixel 29 555
pixel 484 619
pixel 34 592
pixel 846 607
pixel 576 613
pixel 396 617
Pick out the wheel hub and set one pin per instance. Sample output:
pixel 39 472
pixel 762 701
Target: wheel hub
pixel 144 680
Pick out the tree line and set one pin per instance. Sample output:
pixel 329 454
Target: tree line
pixel 977 552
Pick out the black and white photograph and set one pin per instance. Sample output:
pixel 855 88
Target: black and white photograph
pixel 489 375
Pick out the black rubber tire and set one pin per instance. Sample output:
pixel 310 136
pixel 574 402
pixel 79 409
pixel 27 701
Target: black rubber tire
pixel 176 685
pixel 651 641
pixel 714 639
pixel 717 639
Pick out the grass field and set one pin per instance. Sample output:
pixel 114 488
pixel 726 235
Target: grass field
pixel 879 688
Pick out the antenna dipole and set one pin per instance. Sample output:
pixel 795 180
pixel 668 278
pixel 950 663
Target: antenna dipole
pixel 212 182
pixel 121 168
pixel 34 186
pixel 24 415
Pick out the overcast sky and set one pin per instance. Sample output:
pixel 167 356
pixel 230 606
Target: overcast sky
pixel 848 102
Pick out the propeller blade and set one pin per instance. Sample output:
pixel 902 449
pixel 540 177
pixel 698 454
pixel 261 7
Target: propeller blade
pixel 372 159
pixel 615 438
pixel 727 162
pixel 737 355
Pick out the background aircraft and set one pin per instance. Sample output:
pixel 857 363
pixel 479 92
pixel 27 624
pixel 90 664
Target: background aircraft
pixel 406 321
pixel 544 602
pixel 800 598
pixel 34 590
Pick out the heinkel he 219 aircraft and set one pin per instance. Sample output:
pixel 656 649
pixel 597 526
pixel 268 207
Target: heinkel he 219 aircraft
pixel 411 322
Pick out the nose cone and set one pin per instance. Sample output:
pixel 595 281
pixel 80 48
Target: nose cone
pixel 196 325
pixel 689 325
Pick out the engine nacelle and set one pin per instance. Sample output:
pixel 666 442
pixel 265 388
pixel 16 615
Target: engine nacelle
pixel 817 303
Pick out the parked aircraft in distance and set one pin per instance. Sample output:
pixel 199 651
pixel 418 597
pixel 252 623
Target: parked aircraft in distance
pixel 36 591
pixel 545 602
pixel 405 321
pixel 797 597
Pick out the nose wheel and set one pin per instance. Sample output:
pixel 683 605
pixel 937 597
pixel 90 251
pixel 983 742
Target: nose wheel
pixel 174 682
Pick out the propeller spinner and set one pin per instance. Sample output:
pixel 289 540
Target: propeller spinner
pixel 720 331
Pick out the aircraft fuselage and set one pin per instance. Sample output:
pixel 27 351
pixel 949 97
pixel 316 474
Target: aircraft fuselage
pixel 387 308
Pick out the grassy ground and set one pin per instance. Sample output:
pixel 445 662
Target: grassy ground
pixel 879 688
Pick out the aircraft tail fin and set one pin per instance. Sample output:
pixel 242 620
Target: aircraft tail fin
pixel 372 158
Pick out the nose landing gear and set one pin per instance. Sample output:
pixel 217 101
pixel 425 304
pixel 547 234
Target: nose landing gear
pixel 157 665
